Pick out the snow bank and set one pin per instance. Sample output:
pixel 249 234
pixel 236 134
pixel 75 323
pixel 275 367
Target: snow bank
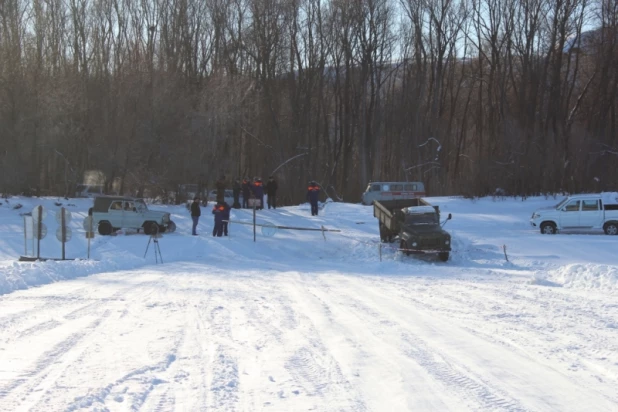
pixel 581 276
pixel 22 275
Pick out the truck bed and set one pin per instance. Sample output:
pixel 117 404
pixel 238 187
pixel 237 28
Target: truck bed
pixel 392 205
pixel 389 214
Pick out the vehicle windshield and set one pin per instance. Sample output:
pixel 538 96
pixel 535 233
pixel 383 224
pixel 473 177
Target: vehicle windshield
pixel 421 219
pixel 141 206
pixel 562 202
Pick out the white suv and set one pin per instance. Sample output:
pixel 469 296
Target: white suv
pixel 111 213
pixel 577 212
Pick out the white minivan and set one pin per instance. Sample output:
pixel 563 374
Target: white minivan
pixel 392 191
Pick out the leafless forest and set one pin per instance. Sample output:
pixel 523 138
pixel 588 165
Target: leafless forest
pixel 465 95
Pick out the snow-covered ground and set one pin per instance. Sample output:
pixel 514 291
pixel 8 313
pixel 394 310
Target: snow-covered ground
pixel 298 322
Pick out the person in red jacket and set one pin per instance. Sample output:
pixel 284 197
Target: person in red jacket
pixel 219 212
pixel 313 191
pixel 258 192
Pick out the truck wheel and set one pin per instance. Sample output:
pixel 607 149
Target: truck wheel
pixel 443 256
pixel 548 228
pixel 151 228
pixel 611 228
pixel 404 245
pixel 105 229
pixel 171 227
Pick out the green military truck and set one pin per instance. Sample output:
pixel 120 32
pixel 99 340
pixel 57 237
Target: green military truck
pixel 415 223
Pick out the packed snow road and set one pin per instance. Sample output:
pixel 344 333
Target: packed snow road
pixel 294 322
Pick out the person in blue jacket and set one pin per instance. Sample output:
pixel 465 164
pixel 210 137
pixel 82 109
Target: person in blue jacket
pixel 313 191
pixel 258 192
pixel 219 212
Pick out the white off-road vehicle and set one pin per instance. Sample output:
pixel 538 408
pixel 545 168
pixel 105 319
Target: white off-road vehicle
pixel 111 213
pixel 580 212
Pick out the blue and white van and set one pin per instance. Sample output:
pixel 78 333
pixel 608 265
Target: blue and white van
pixel 392 191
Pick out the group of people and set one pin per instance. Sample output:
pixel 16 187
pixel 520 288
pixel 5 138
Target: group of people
pixel 255 189
pixel 221 212
pixel 251 189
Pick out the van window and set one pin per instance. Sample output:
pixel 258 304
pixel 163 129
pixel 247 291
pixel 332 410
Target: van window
pixel 385 188
pixel 397 188
pixel 375 188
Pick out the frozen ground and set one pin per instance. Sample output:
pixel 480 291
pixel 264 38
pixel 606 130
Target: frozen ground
pixel 295 322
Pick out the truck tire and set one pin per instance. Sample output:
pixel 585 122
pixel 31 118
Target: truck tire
pixel 611 228
pixel 105 228
pixel 151 228
pixel 170 228
pixel 548 228
pixel 443 256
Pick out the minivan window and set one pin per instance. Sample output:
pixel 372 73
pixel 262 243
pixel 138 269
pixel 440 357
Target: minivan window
pixel 397 187
pixel 375 188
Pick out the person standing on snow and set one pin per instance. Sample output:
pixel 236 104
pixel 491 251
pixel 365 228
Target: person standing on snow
pixel 236 190
pixel 313 191
pixel 226 217
pixel 258 192
pixel 271 191
pixel 219 212
pixel 246 192
pixel 196 212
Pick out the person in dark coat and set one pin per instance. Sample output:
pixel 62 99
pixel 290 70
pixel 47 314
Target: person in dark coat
pixel 220 185
pixel 196 212
pixel 226 217
pixel 313 191
pixel 219 212
pixel 258 192
pixel 236 189
pixel 271 191
pixel 246 192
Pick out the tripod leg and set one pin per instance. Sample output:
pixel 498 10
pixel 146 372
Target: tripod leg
pixel 158 249
pixel 147 246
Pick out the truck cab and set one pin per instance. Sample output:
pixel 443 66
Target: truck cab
pixel 579 212
pixel 416 224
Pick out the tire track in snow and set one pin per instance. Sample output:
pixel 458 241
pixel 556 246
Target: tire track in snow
pixel 48 367
pixel 519 309
pixel 479 395
pixel 149 384
pixel 311 364
pixel 31 389
pixel 225 379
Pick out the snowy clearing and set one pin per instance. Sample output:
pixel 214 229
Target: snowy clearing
pixel 295 322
